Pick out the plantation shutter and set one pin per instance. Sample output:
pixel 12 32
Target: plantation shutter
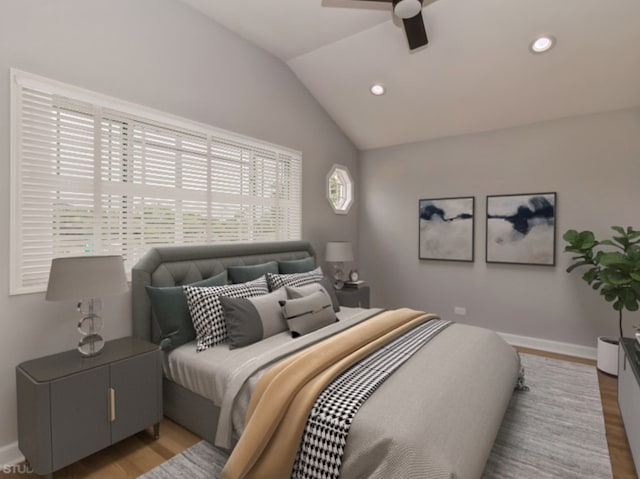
pixel 88 178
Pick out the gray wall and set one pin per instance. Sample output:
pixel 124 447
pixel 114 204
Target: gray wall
pixel 164 55
pixel 592 162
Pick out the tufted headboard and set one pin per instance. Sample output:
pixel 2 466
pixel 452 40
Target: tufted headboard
pixel 178 265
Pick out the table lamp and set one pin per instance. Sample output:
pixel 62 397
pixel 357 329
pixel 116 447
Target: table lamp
pixel 338 252
pixel 87 278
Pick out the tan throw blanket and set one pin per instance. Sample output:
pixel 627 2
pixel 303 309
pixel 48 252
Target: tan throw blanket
pixel 281 401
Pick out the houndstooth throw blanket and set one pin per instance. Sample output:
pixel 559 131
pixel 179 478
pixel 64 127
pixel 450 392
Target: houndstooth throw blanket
pixel 325 433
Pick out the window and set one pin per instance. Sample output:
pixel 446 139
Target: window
pixel 94 175
pixel 340 189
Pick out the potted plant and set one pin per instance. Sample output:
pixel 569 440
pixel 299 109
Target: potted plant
pixel 613 268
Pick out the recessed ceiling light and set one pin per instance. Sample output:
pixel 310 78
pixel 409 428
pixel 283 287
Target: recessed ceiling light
pixel 542 44
pixel 377 89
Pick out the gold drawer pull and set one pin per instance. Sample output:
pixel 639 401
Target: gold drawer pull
pixel 112 404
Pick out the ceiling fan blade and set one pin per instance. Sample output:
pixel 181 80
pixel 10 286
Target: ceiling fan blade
pixel 416 31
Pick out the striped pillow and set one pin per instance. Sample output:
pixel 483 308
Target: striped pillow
pixel 250 320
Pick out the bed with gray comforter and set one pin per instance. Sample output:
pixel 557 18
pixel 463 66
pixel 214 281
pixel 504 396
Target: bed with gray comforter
pixel 437 416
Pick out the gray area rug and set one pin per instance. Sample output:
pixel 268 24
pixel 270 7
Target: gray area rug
pixel 555 430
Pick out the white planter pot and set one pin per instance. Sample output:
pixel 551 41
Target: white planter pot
pixel 608 355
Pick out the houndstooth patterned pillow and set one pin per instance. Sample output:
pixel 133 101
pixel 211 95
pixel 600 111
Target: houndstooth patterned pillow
pixel 295 279
pixel 207 313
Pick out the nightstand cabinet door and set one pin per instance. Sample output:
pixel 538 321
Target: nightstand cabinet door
pixel 34 422
pixel 137 393
pixel 79 423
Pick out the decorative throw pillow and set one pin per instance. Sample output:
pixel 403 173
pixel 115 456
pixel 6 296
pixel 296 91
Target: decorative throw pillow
pixel 250 320
pixel 242 274
pixel 296 279
pixel 308 313
pixel 206 311
pixel 297 265
pixel 324 285
pixel 171 311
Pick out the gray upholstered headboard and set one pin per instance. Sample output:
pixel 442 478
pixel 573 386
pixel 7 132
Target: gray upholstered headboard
pixel 179 265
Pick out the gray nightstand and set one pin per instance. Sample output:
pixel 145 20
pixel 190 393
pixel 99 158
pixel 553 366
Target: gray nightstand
pixel 354 297
pixel 70 407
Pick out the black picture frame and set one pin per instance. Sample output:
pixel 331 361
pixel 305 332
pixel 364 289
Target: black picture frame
pixel 446 229
pixel 521 229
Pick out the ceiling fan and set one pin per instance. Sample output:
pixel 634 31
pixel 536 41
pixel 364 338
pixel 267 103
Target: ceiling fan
pixel 410 11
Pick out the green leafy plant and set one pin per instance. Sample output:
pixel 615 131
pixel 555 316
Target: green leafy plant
pixel 614 271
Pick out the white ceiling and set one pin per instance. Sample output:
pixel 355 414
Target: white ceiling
pixel 476 74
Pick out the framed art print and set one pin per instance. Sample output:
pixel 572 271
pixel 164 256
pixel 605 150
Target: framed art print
pixel 521 229
pixel 445 229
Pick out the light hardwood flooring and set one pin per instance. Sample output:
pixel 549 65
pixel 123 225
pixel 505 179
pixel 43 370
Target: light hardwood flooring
pixel 129 458
pixel 140 453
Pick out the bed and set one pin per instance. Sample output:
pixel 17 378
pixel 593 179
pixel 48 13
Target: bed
pixel 436 416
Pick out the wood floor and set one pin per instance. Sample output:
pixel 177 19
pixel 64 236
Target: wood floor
pixel 140 453
pixel 128 458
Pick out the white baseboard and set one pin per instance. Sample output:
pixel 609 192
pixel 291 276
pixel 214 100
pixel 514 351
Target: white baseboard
pixel 550 346
pixel 10 455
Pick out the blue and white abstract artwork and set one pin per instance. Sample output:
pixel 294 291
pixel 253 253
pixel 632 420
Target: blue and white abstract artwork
pixel 446 229
pixel 521 229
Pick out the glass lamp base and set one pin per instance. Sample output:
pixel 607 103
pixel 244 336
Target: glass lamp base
pixel 90 324
pixel 91 345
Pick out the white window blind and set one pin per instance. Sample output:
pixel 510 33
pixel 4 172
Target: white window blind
pixel 94 175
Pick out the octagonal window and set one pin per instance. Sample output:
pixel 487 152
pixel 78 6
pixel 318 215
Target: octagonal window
pixel 340 189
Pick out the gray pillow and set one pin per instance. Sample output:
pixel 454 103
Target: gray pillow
pixel 250 320
pixel 308 313
pixel 297 265
pixel 243 274
pixel 324 284
pixel 171 311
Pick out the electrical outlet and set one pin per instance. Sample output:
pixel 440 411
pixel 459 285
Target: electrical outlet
pixel 460 310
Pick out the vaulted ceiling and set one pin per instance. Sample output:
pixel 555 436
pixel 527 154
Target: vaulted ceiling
pixel 476 74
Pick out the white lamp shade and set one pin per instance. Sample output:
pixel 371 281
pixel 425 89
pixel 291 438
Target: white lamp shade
pixel 86 277
pixel 338 252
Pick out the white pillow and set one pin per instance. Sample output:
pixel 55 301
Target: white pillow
pixel 308 313
pixel 323 285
